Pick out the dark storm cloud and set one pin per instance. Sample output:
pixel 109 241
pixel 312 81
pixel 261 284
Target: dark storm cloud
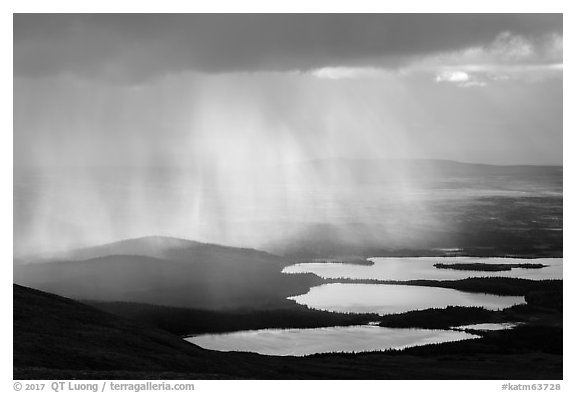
pixel 140 46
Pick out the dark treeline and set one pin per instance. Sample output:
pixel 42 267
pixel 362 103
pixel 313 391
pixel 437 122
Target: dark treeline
pixel 183 321
pixel 438 318
pixel 488 267
pixel 363 261
pixel 503 286
pixel 535 312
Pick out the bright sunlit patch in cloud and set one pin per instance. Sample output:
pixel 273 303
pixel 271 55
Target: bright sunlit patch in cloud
pixel 453 76
pixel 348 72
pixel 460 78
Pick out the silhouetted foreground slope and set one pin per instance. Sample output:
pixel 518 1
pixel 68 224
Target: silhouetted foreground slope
pixel 171 272
pixel 57 338
pixel 58 333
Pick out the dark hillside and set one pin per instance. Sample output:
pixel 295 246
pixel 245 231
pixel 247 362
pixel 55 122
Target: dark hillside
pixel 57 338
pixel 187 274
pixel 58 333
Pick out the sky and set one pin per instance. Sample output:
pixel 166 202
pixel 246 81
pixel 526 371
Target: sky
pixel 149 89
pixel 144 124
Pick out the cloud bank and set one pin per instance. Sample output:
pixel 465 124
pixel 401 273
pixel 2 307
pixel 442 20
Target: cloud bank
pixel 138 47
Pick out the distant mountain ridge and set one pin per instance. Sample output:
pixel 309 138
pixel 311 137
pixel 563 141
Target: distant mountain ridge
pixel 146 246
pixel 149 246
pixel 438 167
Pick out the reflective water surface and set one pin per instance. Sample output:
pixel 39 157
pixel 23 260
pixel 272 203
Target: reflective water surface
pixel 380 299
pixel 300 342
pixel 390 299
pixel 422 268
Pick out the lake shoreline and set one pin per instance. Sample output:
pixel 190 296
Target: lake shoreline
pixel 514 354
pixel 186 322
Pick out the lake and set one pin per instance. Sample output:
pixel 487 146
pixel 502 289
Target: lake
pixel 422 268
pixel 391 299
pixel 380 299
pixel 301 342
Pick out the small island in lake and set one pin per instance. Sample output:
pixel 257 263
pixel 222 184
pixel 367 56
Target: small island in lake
pixel 488 267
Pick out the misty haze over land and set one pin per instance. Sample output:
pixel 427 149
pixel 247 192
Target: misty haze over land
pixel 325 206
